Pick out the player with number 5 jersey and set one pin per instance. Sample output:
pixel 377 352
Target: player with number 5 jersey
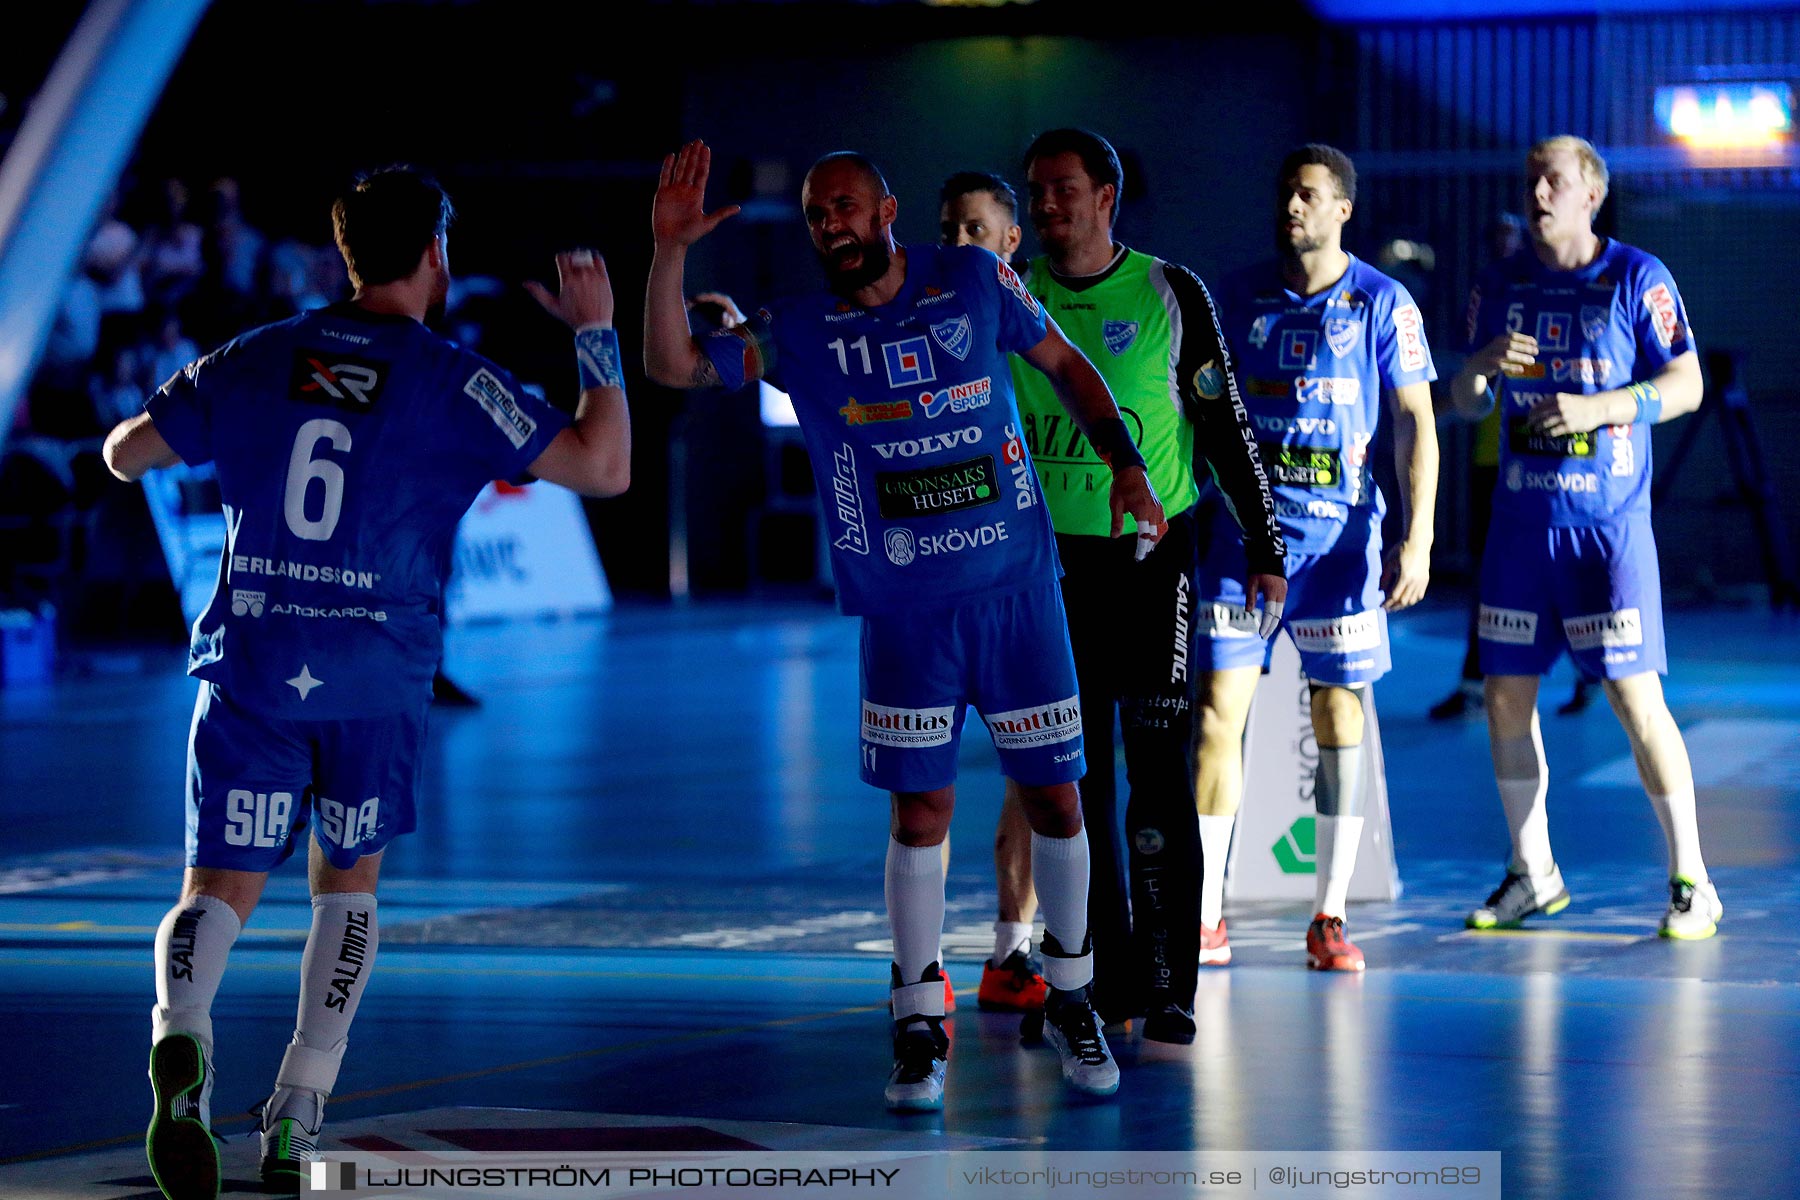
pixel 1585 344
pixel 348 442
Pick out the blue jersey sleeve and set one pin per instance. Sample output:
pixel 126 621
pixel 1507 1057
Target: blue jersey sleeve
pixel 1659 319
pixel 182 408
pixel 1402 354
pixel 1022 321
pixel 1485 320
pixel 743 353
pixel 493 412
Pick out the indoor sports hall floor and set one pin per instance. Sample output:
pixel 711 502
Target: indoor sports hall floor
pixel 644 911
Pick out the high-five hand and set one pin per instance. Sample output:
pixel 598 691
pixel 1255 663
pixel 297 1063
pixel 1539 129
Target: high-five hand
pixel 679 216
pixel 584 293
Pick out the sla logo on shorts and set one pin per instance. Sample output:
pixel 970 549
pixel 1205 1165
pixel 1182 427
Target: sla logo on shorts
pixel 1024 728
pixel 349 825
pixel 1507 626
pixel 1607 630
pixel 908 728
pixel 257 818
pixel 1337 635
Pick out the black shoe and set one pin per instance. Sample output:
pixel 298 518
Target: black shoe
pixel 1072 1026
pixel 1464 700
pixel 445 691
pixel 184 1159
pixel 1170 1023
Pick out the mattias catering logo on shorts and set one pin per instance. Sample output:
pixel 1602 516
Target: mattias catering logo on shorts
pixel 1025 728
pixel 911 728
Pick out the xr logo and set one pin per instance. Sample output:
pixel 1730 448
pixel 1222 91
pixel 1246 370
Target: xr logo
pixel 1294 852
pixel 337 379
pixel 346 380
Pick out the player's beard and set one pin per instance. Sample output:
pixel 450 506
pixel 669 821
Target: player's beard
pixel 1294 247
pixel 847 281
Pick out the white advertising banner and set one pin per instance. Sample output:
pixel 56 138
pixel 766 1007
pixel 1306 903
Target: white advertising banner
pixel 1273 848
pixel 525 552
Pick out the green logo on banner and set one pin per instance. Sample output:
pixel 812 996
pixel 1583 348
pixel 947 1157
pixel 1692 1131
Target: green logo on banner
pixel 1294 852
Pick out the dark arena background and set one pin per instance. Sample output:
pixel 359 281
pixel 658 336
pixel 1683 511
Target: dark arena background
pixel 641 921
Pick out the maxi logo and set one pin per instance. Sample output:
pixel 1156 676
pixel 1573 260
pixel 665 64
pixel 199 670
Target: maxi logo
pixel 334 378
pixel 1009 279
pixel 1507 626
pixel 930 443
pixel 1013 454
pixel 958 398
pixel 1659 302
pixel 955 336
pixel 1409 331
pixel 257 818
pixel 846 494
pixel 1342 334
pixel 929 491
pixel 1553 331
pixel 908 362
pixel 1594 321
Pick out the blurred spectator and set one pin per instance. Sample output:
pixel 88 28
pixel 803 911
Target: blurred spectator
pixel 120 392
pixel 291 281
pixel 113 263
pixel 58 398
pixel 173 259
pixel 170 351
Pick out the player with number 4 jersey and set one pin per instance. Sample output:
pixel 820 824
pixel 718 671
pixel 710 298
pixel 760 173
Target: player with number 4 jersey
pixel 348 444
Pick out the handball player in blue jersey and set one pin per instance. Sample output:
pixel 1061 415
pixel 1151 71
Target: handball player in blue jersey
pixel 940 542
pixel 1584 343
pixel 348 442
pixel 1318 339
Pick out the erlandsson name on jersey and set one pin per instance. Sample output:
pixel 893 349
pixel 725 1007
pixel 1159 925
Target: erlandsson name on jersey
pixel 250 564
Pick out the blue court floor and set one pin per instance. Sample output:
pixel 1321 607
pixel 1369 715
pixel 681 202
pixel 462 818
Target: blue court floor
pixel 644 911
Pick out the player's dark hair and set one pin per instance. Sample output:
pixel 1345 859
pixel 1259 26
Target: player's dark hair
pixel 964 182
pixel 386 219
pixel 1318 154
pixel 861 162
pixel 1098 159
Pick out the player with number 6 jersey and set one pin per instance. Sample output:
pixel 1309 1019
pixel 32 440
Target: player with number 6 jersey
pixel 348 444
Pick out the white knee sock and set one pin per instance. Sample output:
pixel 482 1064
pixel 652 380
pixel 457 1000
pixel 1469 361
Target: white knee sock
pixel 1681 830
pixel 1215 846
pixel 1060 867
pixel 334 974
pixel 1523 779
pixel 1010 936
pixel 1336 842
pixel 914 882
pixel 192 944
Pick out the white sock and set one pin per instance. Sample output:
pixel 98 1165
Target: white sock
pixel 914 882
pixel 192 944
pixel 1215 846
pixel 1060 868
pixel 334 974
pixel 1681 830
pixel 1336 840
pixel 1010 936
pixel 1522 777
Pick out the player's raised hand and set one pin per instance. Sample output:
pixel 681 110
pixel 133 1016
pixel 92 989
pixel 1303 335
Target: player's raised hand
pixel 584 292
pixel 679 217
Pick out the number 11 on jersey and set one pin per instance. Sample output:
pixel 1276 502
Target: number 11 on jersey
pixel 861 346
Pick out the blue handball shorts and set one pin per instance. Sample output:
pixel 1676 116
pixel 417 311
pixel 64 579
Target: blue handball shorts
pixel 1007 655
pixel 1596 591
pixel 254 782
pixel 1333 611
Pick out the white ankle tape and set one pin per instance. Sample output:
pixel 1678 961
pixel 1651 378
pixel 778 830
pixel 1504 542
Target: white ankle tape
pixel 1069 974
pixel 309 1069
pixel 919 1000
